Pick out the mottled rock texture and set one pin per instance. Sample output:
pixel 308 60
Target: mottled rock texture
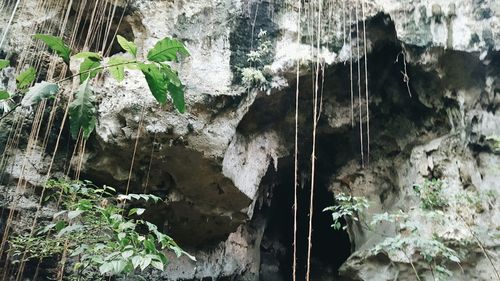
pixel 219 165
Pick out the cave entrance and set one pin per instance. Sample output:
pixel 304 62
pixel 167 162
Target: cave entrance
pixel 330 249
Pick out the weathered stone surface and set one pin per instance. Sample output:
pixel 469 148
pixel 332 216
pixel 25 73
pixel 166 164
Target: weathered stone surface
pixel 209 163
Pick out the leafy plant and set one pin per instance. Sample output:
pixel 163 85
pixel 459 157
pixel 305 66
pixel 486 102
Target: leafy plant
pixel 96 233
pixel 430 193
pixel 347 207
pixel 162 80
pixel 23 81
pixel 435 251
pixel 257 74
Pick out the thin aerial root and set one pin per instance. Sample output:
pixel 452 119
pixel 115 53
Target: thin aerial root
pixel 366 87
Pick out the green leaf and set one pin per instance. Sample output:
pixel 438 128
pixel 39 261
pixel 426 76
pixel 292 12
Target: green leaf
pixel 158 265
pixel 4 95
pixel 145 262
pixel 156 80
pixel 38 92
pixel 105 268
pixel 84 55
pixel 69 229
pixel 177 94
pixel 171 75
pixel 89 68
pixel 127 45
pixel 82 111
pixel 25 78
pixel 149 245
pixel 167 49
pixel 136 261
pixel 56 44
pixel 136 211
pixel 4 64
pixel 118 266
pixel 117 66
pixel 454 258
pixel 127 254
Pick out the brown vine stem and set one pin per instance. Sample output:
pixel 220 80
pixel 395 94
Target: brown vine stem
pixel 296 159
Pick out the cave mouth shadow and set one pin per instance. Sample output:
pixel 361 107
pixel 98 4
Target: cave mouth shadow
pixel 330 248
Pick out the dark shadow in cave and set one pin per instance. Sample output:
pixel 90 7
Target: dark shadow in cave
pixel 330 249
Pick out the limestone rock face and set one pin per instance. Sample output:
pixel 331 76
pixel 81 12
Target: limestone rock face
pixel 221 165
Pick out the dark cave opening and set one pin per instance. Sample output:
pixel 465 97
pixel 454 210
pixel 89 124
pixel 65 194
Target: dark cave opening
pixel 330 248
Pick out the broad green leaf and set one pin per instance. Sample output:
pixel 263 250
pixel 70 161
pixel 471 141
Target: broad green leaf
pixel 84 55
pixel 149 245
pixel 158 265
pixel 116 67
pixel 171 75
pixel 89 68
pixel 82 111
pixel 121 235
pixel 56 44
pixel 127 254
pixel 136 211
pixel 105 268
pixel 127 45
pixel 454 259
pixel 69 229
pixel 4 95
pixel 4 64
pixel 136 261
pixel 167 49
pixel 118 266
pixel 145 262
pixel 38 92
pixel 25 78
pixel 177 94
pixel 156 80
pixel 60 225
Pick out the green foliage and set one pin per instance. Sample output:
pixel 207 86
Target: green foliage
pixel 167 49
pixel 39 91
pixel 56 44
pixel 25 78
pixel 89 68
pixel 4 95
pixel 435 251
pixel 430 193
pixel 348 207
pixel 157 81
pixel 82 111
pixel 4 63
pixel 257 74
pixel 161 79
pixel 413 240
pixel 117 67
pixel 98 237
pixel 128 46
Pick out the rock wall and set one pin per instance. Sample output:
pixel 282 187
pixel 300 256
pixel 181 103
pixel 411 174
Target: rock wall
pixel 224 166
